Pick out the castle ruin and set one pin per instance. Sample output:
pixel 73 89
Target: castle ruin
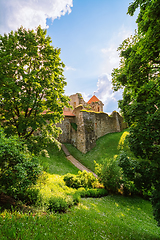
pixel 87 122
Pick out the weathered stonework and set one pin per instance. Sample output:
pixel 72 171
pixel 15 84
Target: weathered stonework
pixel 82 128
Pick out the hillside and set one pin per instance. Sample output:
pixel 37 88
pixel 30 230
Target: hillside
pixel 106 147
pixel 109 217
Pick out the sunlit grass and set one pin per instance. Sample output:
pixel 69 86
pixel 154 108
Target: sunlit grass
pixel 57 163
pixel 106 147
pixel 52 185
pixel 111 217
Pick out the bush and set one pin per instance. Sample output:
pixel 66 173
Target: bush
pixel 61 204
pixel 92 193
pixel 137 175
pixel 83 179
pixel 109 174
pixel 57 204
pixel 156 203
pixel 31 196
pixel 18 168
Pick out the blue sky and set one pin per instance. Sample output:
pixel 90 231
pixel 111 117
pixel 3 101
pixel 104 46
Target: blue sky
pixel 88 33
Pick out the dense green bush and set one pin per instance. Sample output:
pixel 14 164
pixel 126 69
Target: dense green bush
pixel 83 179
pixel 142 177
pixel 109 174
pixel 18 168
pixel 156 203
pixel 93 193
pixel 61 204
pixel 31 196
pixel 137 175
pixel 57 204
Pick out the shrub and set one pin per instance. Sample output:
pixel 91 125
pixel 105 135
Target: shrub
pixel 19 169
pixel 83 179
pixel 31 196
pixel 137 175
pixel 93 193
pixel 61 204
pixel 109 174
pixel 57 204
pixel 156 203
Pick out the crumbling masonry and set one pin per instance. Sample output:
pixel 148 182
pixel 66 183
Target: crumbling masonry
pixel 87 122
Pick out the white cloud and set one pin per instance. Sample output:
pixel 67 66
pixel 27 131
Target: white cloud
pixel 30 13
pixel 68 68
pixel 104 88
pixel 105 93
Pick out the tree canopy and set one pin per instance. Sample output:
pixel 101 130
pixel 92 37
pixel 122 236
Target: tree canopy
pixel 139 76
pixel 31 83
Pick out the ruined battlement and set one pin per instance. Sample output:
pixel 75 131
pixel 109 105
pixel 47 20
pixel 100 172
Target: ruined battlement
pixel 83 127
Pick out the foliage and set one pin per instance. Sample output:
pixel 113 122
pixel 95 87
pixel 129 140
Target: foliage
pixel 139 75
pixel 31 84
pixel 31 196
pixel 138 176
pixel 38 144
pixel 156 203
pixel 83 179
pixel 60 204
pixel 109 174
pixel 92 192
pixel 18 168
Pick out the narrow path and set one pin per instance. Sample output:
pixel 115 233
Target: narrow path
pixel 75 162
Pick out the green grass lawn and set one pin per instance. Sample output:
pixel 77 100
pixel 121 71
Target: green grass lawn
pixel 106 147
pixel 111 217
pixel 57 163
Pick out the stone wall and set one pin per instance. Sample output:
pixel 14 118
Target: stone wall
pixel 67 130
pixel 89 127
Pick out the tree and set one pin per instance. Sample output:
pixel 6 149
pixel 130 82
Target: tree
pixel 139 76
pixel 19 169
pixel 31 83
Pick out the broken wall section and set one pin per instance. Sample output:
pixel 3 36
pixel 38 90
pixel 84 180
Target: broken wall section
pixel 96 125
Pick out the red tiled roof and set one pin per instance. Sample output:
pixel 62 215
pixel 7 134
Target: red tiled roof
pixel 93 99
pixel 68 113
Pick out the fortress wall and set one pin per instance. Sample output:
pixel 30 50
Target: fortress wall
pixel 81 139
pixel 89 131
pixel 90 127
pixel 123 124
pixel 68 133
pixel 97 125
pixel 103 124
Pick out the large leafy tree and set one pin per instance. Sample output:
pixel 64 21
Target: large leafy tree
pixel 139 76
pixel 31 83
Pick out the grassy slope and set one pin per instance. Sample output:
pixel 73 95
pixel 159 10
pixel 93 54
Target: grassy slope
pixel 111 217
pixel 57 163
pixel 106 147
